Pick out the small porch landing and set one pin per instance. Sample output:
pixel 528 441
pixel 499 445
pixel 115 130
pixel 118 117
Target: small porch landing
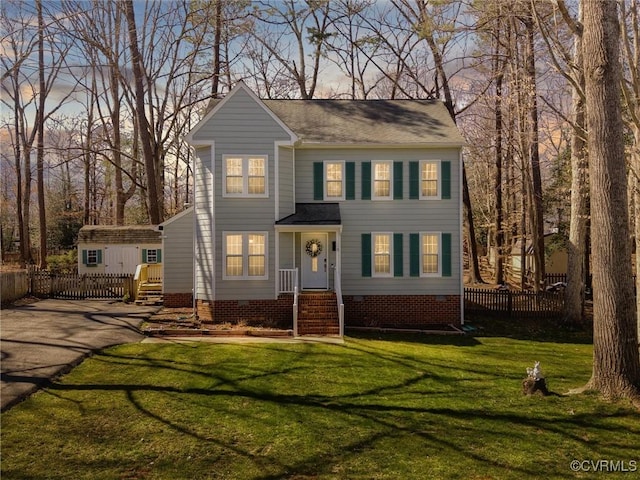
pixel 318 313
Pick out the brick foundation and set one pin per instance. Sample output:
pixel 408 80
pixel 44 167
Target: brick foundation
pixel 177 300
pixel 401 311
pixel 265 313
pixel 384 311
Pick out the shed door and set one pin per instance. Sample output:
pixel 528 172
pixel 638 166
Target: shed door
pixel 121 259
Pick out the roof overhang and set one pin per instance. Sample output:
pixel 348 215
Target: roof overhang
pixel 301 145
pixel 311 217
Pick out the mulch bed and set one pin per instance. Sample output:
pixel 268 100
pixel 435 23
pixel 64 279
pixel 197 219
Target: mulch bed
pixel 181 322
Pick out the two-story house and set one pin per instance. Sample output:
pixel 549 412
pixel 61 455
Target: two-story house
pixel 345 205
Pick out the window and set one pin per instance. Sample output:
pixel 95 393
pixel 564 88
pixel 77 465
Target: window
pixel 430 254
pixel 245 256
pixel 381 254
pixel 334 180
pixel 151 256
pixel 245 176
pixel 382 178
pixel 429 179
pixel 92 257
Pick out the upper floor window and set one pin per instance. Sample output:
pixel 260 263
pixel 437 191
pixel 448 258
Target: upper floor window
pixel 429 179
pixel 334 180
pixel 382 180
pixel 245 176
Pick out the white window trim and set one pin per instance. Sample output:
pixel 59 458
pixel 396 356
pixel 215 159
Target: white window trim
pixel 245 177
pixel 373 255
pixel 373 180
pixel 325 179
pixel 245 256
pixel 438 164
pixel 439 272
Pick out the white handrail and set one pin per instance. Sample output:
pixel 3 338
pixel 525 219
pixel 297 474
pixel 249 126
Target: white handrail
pixel 337 286
pixel 295 311
pixel 288 280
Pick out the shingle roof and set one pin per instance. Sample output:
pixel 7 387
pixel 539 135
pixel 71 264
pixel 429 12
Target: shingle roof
pixel 362 122
pixel 112 234
pixel 313 214
pixel 368 121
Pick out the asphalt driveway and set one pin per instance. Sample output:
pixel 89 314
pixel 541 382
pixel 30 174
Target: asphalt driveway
pixel 44 339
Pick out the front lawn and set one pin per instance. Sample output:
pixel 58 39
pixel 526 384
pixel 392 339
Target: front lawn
pixel 395 407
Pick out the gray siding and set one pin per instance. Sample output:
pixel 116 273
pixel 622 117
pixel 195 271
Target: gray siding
pixel 286 182
pixel 204 224
pixel 240 127
pixel 243 119
pixel 177 248
pixel 395 216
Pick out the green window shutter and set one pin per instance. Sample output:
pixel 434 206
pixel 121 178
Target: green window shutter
pixel 397 180
pixel 84 257
pixel 414 180
pixel 366 180
pixel 397 255
pixel 159 255
pixel 445 172
pixel 366 254
pixel 350 174
pixel 414 254
pixel 318 181
pixel 144 255
pixel 446 254
pixel 99 256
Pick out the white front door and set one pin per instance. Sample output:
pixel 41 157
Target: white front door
pixel 121 259
pixel 315 268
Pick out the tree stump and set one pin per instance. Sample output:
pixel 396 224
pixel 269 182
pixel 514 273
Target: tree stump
pixel 531 386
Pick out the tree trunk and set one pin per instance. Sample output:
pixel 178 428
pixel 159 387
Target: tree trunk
pixel 576 269
pixel 217 38
pixel 537 217
pixel 153 196
pixel 616 363
pixel 42 214
pixel 499 228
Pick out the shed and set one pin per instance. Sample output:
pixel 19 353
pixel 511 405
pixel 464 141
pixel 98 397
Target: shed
pixel 118 249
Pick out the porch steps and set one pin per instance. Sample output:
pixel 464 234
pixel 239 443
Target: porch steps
pixel 149 294
pixel 318 314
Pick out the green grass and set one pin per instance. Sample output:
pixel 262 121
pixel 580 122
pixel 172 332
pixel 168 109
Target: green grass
pixel 396 407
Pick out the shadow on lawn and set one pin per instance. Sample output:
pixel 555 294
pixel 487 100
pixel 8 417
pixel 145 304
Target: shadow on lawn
pixel 539 330
pixel 420 402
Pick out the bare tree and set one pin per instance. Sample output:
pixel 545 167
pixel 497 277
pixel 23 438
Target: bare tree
pixel 293 32
pixel 616 362
pixel 630 23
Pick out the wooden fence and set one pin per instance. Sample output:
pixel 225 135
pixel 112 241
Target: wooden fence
pixel 76 287
pixel 513 304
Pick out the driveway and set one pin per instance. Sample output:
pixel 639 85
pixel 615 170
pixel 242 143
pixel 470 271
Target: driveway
pixel 48 338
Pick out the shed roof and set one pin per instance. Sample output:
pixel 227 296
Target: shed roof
pixel 116 234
